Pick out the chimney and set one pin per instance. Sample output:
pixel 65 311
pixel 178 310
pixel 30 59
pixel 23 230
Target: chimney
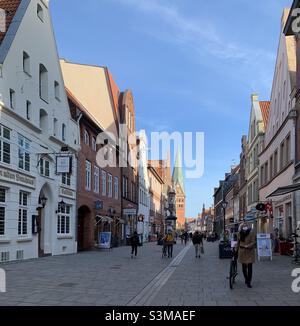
pixel 254 97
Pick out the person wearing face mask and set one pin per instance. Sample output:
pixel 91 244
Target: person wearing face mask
pixel 246 246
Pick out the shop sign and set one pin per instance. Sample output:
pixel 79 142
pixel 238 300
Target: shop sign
pixel 264 245
pixel 18 178
pixel 65 192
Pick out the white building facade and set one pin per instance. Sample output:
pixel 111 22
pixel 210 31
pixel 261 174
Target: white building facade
pixel 277 159
pixel 37 205
pixel 143 223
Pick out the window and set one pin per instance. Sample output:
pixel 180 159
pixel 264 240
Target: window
pixel 262 176
pixel 63 132
pixel 266 172
pixel 24 155
pixel 57 90
pixel 2 210
pixel 123 187
pixel 55 127
pixel 23 213
pixel 45 167
pixel 40 12
pixel 86 138
pixel 116 187
pixel 288 149
pixel 43 120
pixel 66 179
pixel 4 145
pixel 88 175
pixel 43 83
pixel 103 183
pixel 282 155
pixel 96 179
pixel 275 162
pixel 63 219
pixel 110 190
pixel 26 63
pixel 271 167
pixel 94 145
pixel 28 110
pixel 12 99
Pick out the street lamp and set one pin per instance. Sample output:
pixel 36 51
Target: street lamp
pixel 224 206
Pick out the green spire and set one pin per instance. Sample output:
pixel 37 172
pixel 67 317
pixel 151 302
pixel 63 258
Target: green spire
pixel 177 173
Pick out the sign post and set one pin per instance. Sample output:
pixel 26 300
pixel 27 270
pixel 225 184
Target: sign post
pixel 264 245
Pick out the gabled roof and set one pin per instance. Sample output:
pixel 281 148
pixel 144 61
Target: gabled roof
pixel 10 7
pixel 265 109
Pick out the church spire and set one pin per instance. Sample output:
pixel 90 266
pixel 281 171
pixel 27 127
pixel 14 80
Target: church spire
pixel 177 173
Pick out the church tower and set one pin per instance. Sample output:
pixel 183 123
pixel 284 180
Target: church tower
pixel 178 182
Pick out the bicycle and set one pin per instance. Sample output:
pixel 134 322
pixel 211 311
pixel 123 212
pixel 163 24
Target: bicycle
pixel 233 268
pixel 295 250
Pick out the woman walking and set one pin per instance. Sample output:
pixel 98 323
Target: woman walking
pixel 134 241
pixel 246 246
pixel 169 242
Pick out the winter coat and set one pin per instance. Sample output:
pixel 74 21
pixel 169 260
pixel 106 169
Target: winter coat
pixel 135 240
pixel 197 239
pixel 247 248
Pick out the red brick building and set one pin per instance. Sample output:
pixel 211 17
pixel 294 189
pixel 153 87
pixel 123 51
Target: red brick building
pixel 128 163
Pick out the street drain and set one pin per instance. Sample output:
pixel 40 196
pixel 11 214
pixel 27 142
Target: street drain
pixel 67 285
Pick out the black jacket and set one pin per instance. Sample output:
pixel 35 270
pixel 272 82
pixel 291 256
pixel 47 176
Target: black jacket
pixel 135 240
pixel 197 239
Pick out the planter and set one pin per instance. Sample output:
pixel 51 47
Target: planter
pixel 225 250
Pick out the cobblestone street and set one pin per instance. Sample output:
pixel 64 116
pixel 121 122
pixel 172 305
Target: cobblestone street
pixel 113 278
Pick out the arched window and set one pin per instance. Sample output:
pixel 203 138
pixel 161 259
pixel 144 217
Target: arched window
pixel 40 12
pixel 43 83
pixel 43 120
pixel 63 132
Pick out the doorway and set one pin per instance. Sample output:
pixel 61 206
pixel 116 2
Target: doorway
pixel 84 230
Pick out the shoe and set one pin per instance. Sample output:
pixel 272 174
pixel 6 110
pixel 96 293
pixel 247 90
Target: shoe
pixel 249 286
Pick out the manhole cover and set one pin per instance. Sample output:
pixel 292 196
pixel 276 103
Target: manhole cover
pixel 67 285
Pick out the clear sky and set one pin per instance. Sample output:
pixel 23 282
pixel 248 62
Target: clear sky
pixel 191 64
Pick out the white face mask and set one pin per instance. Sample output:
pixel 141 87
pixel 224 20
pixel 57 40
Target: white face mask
pixel 245 228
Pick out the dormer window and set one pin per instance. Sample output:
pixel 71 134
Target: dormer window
pixel 40 12
pixel 26 63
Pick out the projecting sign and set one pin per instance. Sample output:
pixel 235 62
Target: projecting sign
pixel 63 164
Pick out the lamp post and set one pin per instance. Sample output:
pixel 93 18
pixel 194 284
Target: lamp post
pixel 224 206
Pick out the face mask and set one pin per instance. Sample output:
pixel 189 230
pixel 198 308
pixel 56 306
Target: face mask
pixel 245 228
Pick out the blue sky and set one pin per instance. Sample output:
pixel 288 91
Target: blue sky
pixel 192 66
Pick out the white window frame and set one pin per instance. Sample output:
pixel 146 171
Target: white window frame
pixel 12 99
pixel 23 153
pixel 88 171
pixel 23 214
pixel 64 220
pixel 45 167
pixel 3 208
pixel 110 185
pixel 28 110
pixel 103 181
pixel 40 12
pixel 5 142
pixel 96 180
pixel 94 144
pixel 86 137
pixel 66 179
pixel 116 187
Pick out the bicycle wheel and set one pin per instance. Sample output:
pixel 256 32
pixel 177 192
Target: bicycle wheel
pixel 232 274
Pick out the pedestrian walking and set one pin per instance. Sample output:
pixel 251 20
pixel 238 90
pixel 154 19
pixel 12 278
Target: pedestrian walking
pixel 186 237
pixel 246 251
pixel 169 242
pixel 197 242
pixel 134 241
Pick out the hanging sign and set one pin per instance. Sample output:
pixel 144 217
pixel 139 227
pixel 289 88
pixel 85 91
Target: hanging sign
pixel 63 164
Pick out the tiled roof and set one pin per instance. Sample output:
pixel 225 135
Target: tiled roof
pixel 265 109
pixel 10 7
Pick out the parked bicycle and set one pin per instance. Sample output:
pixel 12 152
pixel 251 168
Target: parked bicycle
pixel 295 251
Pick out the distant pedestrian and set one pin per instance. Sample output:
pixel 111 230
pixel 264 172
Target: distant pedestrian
pixel 186 237
pixel 169 242
pixel 197 242
pixel 134 241
pixel 246 251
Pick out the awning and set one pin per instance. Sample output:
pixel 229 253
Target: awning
pixel 285 190
pixel 103 219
